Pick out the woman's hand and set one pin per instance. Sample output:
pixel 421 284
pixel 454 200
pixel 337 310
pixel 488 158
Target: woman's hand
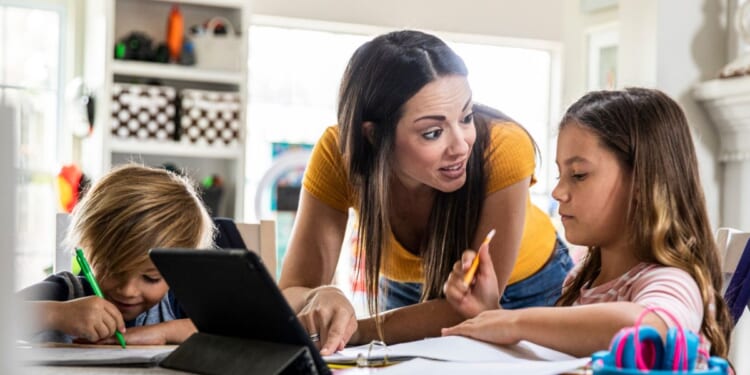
pixel 482 293
pixel 91 318
pixel 328 313
pixel 496 326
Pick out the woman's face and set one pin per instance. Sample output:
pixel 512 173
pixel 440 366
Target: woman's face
pixel 593 190
pixel 435 135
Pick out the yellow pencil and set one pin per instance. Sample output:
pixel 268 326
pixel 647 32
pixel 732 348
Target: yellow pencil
pixel 475 263
pixel 337 366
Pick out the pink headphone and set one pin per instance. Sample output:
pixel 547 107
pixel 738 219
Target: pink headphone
pixel 639 349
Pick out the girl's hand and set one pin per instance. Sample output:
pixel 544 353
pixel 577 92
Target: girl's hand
pixel 90 318
pixel 482 293
pixel 329 313
pixel 497 326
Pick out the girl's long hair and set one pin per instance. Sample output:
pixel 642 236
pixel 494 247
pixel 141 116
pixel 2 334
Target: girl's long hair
pixel 649 134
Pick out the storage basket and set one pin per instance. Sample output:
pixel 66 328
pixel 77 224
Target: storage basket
pixel 210 117
pixel 218 52
pixel 143 112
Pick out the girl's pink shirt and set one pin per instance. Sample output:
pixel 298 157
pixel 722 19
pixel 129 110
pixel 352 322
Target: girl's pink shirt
pixel 649 284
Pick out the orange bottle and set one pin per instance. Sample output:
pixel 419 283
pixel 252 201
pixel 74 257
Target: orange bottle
pixel 175 33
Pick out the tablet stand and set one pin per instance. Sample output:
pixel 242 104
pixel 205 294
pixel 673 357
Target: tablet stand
pixel 214 355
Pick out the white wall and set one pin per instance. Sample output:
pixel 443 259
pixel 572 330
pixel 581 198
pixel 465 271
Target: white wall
pixel 692 49
pixel 575 27
pixel 667 44
pixel 680 49
pixel 533 19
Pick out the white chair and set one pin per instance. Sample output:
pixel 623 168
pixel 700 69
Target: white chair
pixel 261 238
pixel 740 345
pixel 63 256
pixel 731 244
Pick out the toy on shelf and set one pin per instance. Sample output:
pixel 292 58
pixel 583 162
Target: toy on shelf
pixel 175 33
pixel 71 183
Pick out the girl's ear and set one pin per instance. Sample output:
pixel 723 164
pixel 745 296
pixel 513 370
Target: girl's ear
pixel 368 129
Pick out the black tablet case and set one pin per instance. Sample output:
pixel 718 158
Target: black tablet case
pixel 245 325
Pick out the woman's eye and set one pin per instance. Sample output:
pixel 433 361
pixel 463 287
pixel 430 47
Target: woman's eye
pixel 434 134
pixel 579 176
pixel 468 119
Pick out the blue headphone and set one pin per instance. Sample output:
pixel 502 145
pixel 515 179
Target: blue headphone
pixel 639 349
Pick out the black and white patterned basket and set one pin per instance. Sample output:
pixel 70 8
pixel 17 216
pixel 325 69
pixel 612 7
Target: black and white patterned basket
pixel 143 112
pixel 210 117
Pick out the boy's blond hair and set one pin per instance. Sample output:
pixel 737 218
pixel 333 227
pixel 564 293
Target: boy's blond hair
pixel 132 209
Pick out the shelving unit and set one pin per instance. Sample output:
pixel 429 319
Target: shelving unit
pixel 108 21
pixel 174 72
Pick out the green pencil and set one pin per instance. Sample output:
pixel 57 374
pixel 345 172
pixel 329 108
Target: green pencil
pixel 86 269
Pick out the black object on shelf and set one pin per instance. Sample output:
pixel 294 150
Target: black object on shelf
pixel 287 198
pixel 135 46
pixel 212 198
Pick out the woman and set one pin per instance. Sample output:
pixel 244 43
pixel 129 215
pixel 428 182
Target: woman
pixel 429 173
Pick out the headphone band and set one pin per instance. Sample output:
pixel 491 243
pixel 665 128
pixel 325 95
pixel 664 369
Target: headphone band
pixel 681 346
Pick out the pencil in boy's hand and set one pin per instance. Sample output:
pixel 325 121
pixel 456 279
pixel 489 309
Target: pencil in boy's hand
pixel 475 263
pixel 89 275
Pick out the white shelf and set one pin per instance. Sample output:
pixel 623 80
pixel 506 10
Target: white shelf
pixel 111 20
pixel 176 72
pixel 723 88
pixel 727 101
pixel 172 148
pixel 214 3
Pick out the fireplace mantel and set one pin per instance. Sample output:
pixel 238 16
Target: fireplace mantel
pixel 727 101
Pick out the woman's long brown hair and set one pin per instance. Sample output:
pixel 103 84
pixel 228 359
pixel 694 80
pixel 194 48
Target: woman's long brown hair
pixel 381 76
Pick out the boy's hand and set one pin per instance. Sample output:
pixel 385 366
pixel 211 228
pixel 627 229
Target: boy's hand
pixel 91 318
pixel 482 294
pixel 144 335
pixel 170 332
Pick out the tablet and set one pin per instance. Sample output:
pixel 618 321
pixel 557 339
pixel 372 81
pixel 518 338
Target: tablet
pixel 230 293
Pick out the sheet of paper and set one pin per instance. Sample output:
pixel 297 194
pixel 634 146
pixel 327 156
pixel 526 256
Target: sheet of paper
pixel 94 356
pixel 520 366
pixel 451 348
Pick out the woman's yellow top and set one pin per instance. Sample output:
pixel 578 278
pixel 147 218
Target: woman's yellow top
pixel 510 158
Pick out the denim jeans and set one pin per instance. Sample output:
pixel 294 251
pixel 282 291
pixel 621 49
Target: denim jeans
pixel 540 289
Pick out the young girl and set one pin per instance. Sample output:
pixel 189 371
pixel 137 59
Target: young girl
pixel 129 211
pixel 629 190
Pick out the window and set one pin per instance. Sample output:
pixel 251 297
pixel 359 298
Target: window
pixel 294 76
pixel 296 67
pixel 520 81
pixel 30 66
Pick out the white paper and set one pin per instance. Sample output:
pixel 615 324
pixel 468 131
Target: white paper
pixel 452 348
pixel 92 356
pixel 519 366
